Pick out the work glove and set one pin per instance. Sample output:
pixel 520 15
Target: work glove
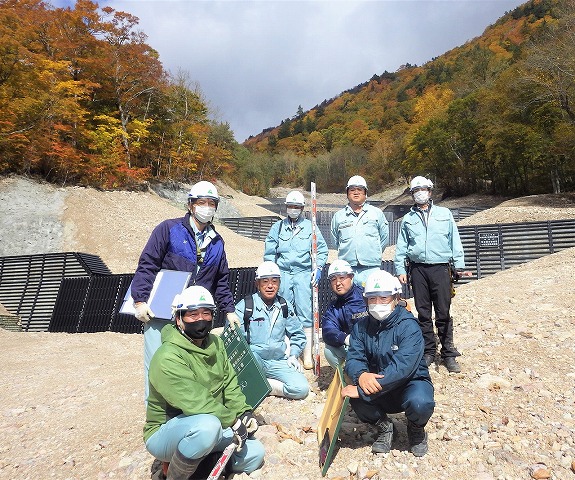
pixel 346 341
pixel 233 319
pixel 240 433
pixel 250 422
pixel 143 312
pixel 315 277
pixel 293 362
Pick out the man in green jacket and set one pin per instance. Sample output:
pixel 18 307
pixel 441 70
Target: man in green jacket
pixel 195 405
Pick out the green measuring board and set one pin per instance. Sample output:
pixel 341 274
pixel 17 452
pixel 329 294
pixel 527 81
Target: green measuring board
pixel 252 380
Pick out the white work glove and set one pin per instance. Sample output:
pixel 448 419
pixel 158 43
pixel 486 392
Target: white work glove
pixel 346 341
pixel 293 362
pixel 250 422
pixel 233 319
pixel 143 312
pixel 315 277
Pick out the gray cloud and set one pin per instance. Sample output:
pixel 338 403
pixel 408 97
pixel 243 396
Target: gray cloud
pixel 256 61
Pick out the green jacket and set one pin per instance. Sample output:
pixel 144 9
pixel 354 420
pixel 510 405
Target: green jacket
pixel 186 379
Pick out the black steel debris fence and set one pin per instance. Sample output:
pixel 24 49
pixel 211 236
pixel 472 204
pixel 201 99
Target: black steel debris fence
pixel 76 292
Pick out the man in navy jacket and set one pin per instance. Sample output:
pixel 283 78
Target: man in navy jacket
pixel 342 313
pixel 386 367
pixel 188 244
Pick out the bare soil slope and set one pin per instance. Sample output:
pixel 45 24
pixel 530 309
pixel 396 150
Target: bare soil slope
pixel 72 404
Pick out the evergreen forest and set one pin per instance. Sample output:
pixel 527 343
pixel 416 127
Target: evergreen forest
pixel 85 100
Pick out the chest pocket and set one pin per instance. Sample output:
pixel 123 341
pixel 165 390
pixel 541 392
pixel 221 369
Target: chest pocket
pixel 441 226
pixel 415 229
pixel 345 230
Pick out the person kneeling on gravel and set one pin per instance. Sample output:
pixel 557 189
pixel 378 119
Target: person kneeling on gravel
pixel 195 405
pixel 386 368
pixel 268 321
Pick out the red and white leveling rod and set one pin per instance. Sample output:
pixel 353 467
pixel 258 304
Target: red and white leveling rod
pixel 315 288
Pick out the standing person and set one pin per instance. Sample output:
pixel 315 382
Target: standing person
pixel 386 367
pixel 289 244
pixel 429 241
pixel 188 244
pixel 268 321
pixel 196 406
pixel 360 231
pixel 342 313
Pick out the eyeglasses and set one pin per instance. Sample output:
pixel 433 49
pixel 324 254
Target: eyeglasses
pixel 355 189
pixel 419 189
pixel 267 281
pixel 338 278
pixel 204 314
pixel 380 300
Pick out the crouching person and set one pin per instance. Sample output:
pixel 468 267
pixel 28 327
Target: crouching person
pixel 386 367
pixel 195 405
pixel 268 321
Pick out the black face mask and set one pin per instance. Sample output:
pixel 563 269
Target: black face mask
pixel 198 329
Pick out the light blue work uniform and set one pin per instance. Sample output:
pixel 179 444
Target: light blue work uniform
pixel 289 246
pixel 360 239
pixel 268 331
pixel 428 237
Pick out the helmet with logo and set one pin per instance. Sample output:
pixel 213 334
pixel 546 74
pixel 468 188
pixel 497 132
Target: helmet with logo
pixel 295 198
pixel 268 269
pixel 339 267
pixel 356 181
pixel 420 182
pixel 381 284
pixel 192 298
pixel 203 189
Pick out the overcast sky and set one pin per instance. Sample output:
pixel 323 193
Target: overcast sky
pixel 257 61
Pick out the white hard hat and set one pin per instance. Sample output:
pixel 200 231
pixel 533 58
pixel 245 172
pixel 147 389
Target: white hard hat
pixel 268 269
pixel 204 189
pixel 381 284
pixel 420 182
pixel 339 267
pixel 295 198
pixel 192 298
pixel 357 181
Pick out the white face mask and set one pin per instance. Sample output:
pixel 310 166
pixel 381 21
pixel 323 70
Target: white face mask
pixel 204 213
pixel 380 311
pixel 421 197
pixel 293 213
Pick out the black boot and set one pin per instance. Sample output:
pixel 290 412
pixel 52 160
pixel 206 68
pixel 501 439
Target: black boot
pixel 451 364
pixel 182 468
pixel 417 439
pixel 385 430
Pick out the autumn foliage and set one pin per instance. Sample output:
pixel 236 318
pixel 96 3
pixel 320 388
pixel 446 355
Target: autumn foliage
pixel 84 100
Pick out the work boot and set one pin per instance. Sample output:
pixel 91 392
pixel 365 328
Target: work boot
pixel 429 359
pixel 182 468
pixel 307 357
pixel 385 430
pixel 451 365
pixel 277 387
pixel 417 438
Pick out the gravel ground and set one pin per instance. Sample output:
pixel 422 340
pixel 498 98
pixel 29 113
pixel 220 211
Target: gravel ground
pixel 71 404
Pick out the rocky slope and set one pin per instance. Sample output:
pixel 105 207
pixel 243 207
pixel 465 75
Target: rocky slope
pixel 72 404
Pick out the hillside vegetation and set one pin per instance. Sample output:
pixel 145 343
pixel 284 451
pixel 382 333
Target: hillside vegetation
pixel 492 115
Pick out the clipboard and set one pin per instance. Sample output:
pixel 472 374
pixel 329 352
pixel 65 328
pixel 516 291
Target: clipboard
pixel 167 284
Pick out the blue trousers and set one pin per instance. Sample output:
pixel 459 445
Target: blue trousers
pixel 152 341
pixel 296 385
pixel 335 355
pixel 415 399
pixel 295 287
pixel 196 436
pixel 360 274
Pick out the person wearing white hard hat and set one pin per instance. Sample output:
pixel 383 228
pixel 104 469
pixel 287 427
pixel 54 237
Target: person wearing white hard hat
pixel 427 246
pixel 269 320
pixel 289 244
pixel 187 244
pixel 360 231
pixel 386 368
pixel 196 408
pixel 342 313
